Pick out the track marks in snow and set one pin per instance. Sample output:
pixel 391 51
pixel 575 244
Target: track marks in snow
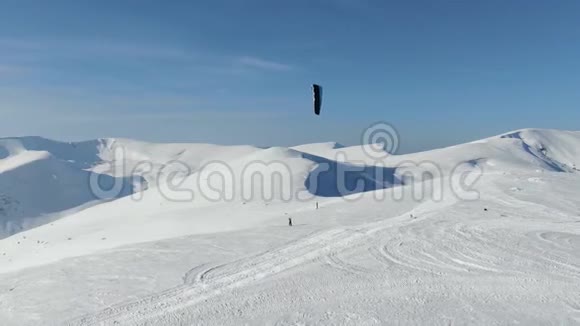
pixel 165 306
pixel 523 253
pixel 437 244
pixel 436 248
pixel 413 257
pixel 556 250
pixel 168 307
pixel 203 276
pixel 561 240
pixel 574 306
pixel 194 275
pixel 190 276
pixel 382 255
pixel 334 260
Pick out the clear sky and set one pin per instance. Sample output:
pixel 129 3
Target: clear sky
pixel 239 72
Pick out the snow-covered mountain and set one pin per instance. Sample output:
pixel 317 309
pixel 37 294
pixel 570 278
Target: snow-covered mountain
pixel 351 209
pixel 43 180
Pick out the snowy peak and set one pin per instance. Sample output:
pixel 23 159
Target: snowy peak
pixel 42 179
pixel 35 185
pixel 559 149
pixel 83 154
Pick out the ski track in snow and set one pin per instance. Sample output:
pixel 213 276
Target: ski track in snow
pixel 217 280
pixel 422 256
pixel 195 274
pixel 427 245
pixel 333 260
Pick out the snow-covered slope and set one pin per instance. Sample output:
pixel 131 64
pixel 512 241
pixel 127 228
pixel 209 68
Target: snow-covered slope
pixel 559 149
pixel 196 248
pixel 37 187
pixel 40 178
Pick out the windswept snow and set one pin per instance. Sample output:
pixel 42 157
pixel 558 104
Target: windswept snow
pixel 486 232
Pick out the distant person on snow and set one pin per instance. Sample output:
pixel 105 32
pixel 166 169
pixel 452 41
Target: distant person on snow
pixel 289 221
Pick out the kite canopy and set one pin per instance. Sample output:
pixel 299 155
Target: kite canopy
pixel 317 91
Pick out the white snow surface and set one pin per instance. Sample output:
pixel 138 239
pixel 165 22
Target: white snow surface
pixel 168 249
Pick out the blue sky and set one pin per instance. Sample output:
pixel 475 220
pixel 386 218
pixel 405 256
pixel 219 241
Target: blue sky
pixel 235 72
